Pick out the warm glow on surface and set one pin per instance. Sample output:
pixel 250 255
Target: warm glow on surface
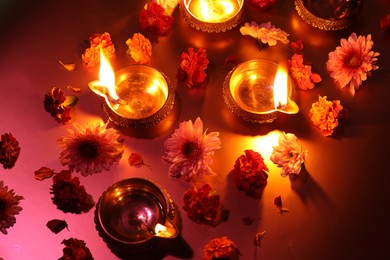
pixel 214 11
pixel 280 88
pixel 264 144
pixel 107 76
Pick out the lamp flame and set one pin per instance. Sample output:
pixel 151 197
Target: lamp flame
pixel 107 76
pixel 214 11
pixel 280 88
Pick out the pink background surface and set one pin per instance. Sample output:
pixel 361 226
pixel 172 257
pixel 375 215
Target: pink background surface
pixel 338 207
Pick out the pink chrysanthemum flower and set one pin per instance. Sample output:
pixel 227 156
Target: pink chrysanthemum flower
pixel 350 63
pixel 9 207
pixel 91 149
pixel 288 154
pixel 189 150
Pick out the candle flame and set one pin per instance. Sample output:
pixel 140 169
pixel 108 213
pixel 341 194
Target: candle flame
pixel 280 88
pixel 107 76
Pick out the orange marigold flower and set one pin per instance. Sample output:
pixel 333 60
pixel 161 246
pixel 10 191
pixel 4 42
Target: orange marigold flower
pixel 97 41
pixel 324 114
pixel 220 248
pixel 140 48
pixel 301 73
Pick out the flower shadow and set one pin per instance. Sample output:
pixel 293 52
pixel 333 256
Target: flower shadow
pixel 307 188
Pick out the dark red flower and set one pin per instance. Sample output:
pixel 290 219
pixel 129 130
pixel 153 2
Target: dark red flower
pixel 262 4
pixel 54 104
pixel 75 249
pixel 192 67
pixel 9 150
pixel 297 46
pixel 249 173
pixel 69 196
pixel 385 22
pixel 154 21
pixel 202 205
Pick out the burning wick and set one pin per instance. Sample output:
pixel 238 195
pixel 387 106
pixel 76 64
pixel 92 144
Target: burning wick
pixel 280 89
pixel 105 86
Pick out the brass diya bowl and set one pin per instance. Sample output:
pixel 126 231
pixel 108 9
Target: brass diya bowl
pixel 328 15
pixel 212 16
pixel 248 92
pixel 145 97
pixel 130 213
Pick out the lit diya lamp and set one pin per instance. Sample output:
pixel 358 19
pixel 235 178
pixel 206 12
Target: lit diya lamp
pixel 212 15
pixel 133 213
pixel 136 96
pixel 258 91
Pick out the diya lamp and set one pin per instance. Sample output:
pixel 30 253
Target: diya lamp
pixel 259 91
pixel 329 15
pixel 212 15
pixel 133 213
pixel 136 96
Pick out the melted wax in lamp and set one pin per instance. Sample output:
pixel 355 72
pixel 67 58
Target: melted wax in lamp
pixel 214 11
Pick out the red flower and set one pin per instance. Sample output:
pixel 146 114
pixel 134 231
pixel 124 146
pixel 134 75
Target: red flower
pixel 262 4
pixel 192 67
pixel 9 150
pixel 385 22
pixel 202 205
pixel 297 46
pixel 69 196
pixel 249 173
pixel 75 249
pixel 154 21
pixel 54 104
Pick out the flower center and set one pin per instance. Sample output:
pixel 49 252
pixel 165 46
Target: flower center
pixel 3 206
pixel 191 150
pixel 88 149
pixel 353 61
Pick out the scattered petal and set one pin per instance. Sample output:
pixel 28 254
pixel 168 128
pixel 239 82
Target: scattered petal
pixel 135 159
pixel 278 201
pixel 68 67
pixel 75 90
pixel 57 225
pixel 258 237
pixel 231 61
pixel 283 209
pixel 43 173
pixel 262 4
pixel 297 46
pixel 248 221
